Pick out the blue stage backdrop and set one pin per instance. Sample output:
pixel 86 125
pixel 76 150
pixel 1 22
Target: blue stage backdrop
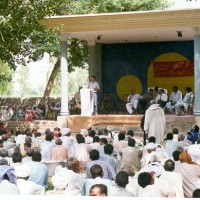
pixel 122 62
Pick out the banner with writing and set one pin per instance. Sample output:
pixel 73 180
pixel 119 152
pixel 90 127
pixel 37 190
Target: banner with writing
pixel 173 69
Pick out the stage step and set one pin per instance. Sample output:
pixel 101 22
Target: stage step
pixel 77 122
pixel 137 130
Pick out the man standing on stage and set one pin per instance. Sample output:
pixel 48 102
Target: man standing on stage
pixel 94 86
pixel 132 102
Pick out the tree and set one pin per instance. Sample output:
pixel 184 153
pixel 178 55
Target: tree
pixel 77 57
pixel 21 34
pixel 108 6
pixel 5 78
pixel 78 50
pixel 23 38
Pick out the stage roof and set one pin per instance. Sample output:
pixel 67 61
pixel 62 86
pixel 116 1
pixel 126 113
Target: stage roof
pixel 128 27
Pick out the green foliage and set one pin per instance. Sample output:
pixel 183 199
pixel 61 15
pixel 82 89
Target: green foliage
pixel 5 78
pixel 107 6
pixel 24 39
pixel 78 77
pixel 77 53
pixel 21 34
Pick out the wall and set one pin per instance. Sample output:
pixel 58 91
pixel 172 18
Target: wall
pixel 27 101
pixel 40 125
pixel 130 66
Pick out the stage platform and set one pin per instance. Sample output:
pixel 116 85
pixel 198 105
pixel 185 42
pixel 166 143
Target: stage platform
pixel 77 122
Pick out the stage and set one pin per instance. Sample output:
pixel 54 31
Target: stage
pixel 77 122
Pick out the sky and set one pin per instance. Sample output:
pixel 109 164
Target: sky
pixel 179 4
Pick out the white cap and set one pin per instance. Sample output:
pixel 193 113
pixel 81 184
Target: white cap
pixel 65 131
pixel 22 171
pixel 151 145
pixel 59 181
pixel 194 152
pixel 110 128
pixel 84 132
pixel 155 167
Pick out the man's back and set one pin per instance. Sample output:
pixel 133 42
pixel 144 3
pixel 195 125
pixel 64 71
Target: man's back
pixel 175 181
pixel 8 188
pixel 39 173
pixel 67 142
pixel 59 153
pixel 190 174
pixel 46 150
pixel 120 191
pixel 131 156
pixel 29 188
pixel 107 169
pixel 159 189
pixel 88 183
pixel 113 162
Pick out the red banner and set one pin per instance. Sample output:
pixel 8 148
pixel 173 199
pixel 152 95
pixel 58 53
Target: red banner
pixel 173 69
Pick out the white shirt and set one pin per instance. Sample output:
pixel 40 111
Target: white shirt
pixel 8 188
pixel 176 97
pixel 30 188
pixel 175 181
pixel 93 85
pixel 159 189
pixel 162 97
pixel 187 98
pixel 131 98
pixel 94 146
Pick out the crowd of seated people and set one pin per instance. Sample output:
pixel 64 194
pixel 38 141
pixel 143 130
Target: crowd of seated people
pixel 29 113
pixel 102 163
pixel 174 104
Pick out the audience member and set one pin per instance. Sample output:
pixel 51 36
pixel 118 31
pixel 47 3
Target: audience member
pixel 98 190
pixel 107 169
pixel 120 186
pixel 97 174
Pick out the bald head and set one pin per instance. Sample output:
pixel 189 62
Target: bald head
pixel 169 165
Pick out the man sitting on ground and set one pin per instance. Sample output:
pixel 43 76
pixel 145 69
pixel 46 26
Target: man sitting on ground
pixel 107 169
pixel 174 179
pixel 120 188
pixel 151 189
pixel 96 172
pixel 131 156
pixel 98 190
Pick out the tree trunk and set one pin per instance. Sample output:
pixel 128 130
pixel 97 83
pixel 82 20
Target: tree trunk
pixel 51 80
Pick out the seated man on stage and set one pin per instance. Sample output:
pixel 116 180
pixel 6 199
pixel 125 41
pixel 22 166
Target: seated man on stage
pixel 162 98
pixel 144 102
pixel 187 100
pixel 94 86
pixel 174 100
pixel 132 101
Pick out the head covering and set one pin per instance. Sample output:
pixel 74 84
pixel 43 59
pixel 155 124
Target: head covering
pixel 194 152
pixel 185 157
pixel 65 131
pixel 155 167
pixel 22 171
pixel 84 132
pixel 110 128
pixel 151 145
pixel 59 181
pixel 5 169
